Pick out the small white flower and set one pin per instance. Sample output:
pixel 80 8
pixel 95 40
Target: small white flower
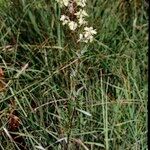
pixel 81 37
pixel 65 19
pixel 82 21
pixel 63 2
pixel 91 38
pixel 90 30
pixel 81 3
pixel 72 25
pixel 66 2
pixel 81 14
pixel 87 35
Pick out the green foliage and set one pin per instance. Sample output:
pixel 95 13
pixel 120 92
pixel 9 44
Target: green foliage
pixel 102 106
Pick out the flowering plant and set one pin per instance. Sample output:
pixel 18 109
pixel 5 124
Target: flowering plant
pixel 76 18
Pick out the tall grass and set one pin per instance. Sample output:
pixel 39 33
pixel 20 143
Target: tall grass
pixel 65 101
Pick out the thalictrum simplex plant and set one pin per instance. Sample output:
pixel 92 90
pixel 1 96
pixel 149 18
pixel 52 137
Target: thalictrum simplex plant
pixel 74 74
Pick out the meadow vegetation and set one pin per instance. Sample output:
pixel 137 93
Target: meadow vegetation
pixel 57 94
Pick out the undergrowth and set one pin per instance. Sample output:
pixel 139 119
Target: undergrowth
pixel 64 100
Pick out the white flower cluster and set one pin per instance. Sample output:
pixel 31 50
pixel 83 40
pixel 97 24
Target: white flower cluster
pixel 63 2
pixel 81 3
pixel 87 35
pixel 76 17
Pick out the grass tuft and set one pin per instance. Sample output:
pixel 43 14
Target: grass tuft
pixel 63 100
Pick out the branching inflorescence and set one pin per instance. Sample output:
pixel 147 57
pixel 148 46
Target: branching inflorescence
pixel 75 18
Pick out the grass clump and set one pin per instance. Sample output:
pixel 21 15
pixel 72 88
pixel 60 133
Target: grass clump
pixel 63 98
